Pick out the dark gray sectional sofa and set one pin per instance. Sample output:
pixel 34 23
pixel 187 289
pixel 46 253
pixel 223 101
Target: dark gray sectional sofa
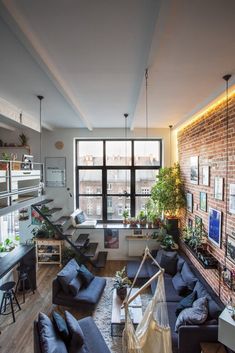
pixel 93 340
pixel 188 337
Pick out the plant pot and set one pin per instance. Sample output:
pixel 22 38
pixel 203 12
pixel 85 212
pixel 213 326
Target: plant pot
pixel 125 221
pixel 3 166
pixel 121 293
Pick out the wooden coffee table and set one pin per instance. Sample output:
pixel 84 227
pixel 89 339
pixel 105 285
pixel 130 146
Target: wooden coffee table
pixel 118 313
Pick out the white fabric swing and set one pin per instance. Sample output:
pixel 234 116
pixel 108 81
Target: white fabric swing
pixel 153 334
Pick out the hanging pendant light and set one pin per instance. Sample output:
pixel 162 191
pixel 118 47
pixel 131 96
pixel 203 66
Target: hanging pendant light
pixel 40 127
pixel 226 78
pixel 170 127
pixel 146 102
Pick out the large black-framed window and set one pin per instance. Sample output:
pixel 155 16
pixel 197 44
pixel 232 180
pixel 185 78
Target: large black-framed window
pixel 114 174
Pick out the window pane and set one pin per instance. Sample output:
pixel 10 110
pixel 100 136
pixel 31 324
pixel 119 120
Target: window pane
pixel 147 153
pixel 90 153
pixel 144 180
pixel 118 153
pixel 118 181
pixel 90 181
pixel 92 206
pixel 140 202
pixel 116 206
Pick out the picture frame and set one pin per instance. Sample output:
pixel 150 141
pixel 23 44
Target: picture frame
pixel 203 201
pixel 232 198
pixel 189 197
pixel 219 188
pixel 190 223
pixel 214 226
pixel 230 248
pixel 137 231
pixel 55 172
pixel 227 278
pixel 198 221
pixel 194 170
pixel 111 238
pixel 205 175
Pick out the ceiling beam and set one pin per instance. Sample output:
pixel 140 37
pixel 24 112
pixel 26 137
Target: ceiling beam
pixel 25 33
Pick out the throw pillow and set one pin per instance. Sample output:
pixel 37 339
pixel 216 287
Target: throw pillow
pixel 169 264
pixel 77 336
pixel 79 218
pixel 66 275
pixel 193 316
pixel 186 302
pixel 85 275
pixel 75 285
pixel 50 341
pixel 179 284
pixel 214 310
pixel 188 276
pixel 61 327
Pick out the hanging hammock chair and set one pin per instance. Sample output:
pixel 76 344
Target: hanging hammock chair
pixel 152 334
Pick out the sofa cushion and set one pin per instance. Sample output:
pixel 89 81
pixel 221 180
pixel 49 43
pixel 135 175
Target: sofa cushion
pixel 195 315
pixel 179 284
pixel 77 336
pixel 188 276
pixel 214 310
pixel 61 327
pixel 93 292
pixel 171 294
pixel 166 253
pixel 74 285
pixel 50 341
pixel 171 308
pixel 169 264
pixel 132 268
pixel 85 275
pixel 66 275
pixel 180 263
pixel 79 218
pixel 186 302
pixel 94 341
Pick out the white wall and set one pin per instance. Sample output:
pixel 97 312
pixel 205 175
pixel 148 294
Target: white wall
pixel 61 195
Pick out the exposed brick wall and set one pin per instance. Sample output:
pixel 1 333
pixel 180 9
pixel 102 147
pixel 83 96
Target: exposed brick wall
pixel 206 138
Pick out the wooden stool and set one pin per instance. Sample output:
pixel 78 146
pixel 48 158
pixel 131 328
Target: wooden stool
pixel 212 347
pixel 7 298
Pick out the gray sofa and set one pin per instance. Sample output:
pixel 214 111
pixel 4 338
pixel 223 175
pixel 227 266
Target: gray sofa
pixel 93 342
pixel 86 298
pixel 188 337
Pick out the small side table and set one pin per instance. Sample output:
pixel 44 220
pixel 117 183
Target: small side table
pixel 212 347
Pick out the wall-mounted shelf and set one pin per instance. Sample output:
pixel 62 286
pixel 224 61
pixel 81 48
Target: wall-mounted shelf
pixel 212 261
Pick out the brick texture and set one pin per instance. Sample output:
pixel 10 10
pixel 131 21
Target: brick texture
pixel 206 138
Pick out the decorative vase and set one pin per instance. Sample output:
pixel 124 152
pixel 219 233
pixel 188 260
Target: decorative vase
pixel 121 293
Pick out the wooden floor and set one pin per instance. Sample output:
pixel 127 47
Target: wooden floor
pixel 18 337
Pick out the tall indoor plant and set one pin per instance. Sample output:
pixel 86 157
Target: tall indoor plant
pixel 168 194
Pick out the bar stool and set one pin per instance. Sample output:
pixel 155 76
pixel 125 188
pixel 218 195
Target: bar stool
pixel 23 280
pixel 8 298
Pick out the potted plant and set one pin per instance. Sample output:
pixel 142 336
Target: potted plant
pixel 5 157
pixel 133 222
pixel 125 215
pixel 166 240
pixel 168 194
pixel 142 217
pixel 23 140
pixel 43 231
pixel 121 283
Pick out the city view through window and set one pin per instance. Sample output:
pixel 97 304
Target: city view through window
pixel 115 174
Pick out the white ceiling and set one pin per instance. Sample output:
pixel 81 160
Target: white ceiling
pixel 88 58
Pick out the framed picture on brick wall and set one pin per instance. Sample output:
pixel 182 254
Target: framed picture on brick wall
pixel 194 170
pixel 214 226
pixel 230 251
pixel 232 198
pixel 203 201
pixel 219 188
pixel 189 198
pixel 205 177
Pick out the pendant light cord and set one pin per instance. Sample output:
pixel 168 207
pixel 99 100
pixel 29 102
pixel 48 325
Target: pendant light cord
pixel 40 127
pixel 226 78
pixel 146 102
pixel 126 116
